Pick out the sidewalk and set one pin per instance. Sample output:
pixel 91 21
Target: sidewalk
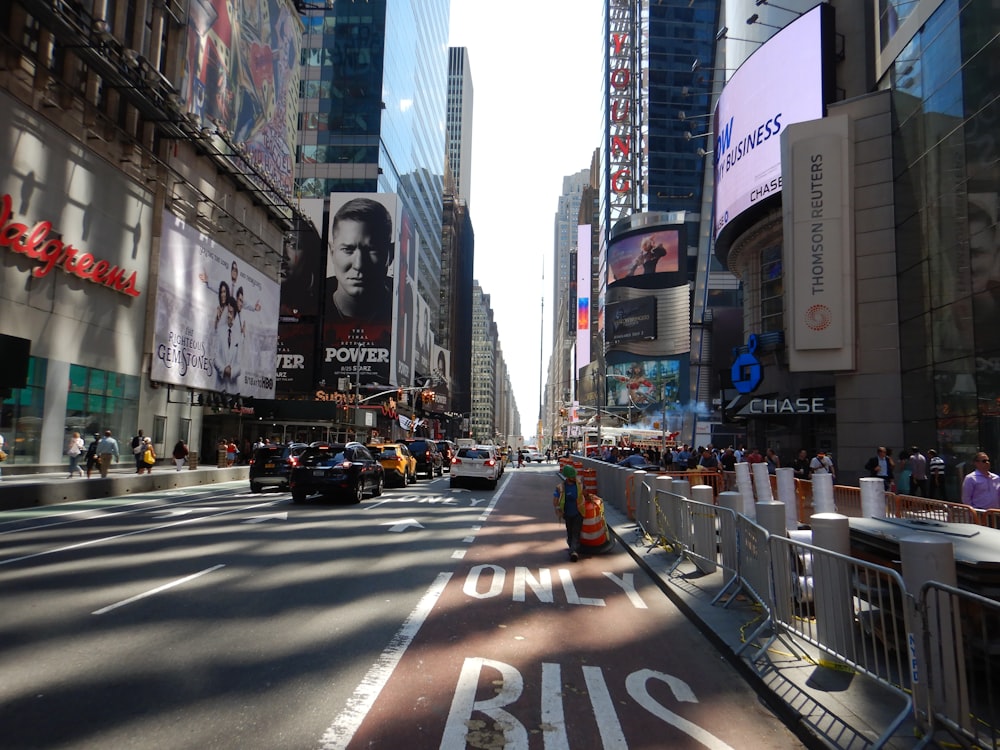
pixel 47 487
pixel 840 709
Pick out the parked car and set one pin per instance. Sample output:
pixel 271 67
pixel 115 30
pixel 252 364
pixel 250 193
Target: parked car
pixel 428 457
pixel 448 450
pixel 271 465
pixel 398 463
pixel 344 469
pixel 476 463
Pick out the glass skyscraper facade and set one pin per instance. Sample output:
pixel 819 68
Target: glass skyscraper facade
pixel 374 85
pixel 944 79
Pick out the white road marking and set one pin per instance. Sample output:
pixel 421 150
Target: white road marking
pixel 341 732
pixel 111 538
pixel 458 554
pixel 268 517
pixel 157 590
pixel 399 526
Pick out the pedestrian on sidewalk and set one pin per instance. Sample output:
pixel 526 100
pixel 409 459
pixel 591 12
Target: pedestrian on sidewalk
pixel 981 487
pixel 3 453
pixel 107 449
pixel 569 500
pixel 138 446
pixel 148 456
pixel 91 458
pixel 180 454
pixel 74 449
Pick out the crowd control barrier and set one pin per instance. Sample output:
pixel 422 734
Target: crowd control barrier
pixel 960 668
pixel 937 651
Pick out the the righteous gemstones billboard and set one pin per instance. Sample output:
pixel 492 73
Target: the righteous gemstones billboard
pixel 216 320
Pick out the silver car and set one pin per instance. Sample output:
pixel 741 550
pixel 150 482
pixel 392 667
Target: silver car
pixel 475 463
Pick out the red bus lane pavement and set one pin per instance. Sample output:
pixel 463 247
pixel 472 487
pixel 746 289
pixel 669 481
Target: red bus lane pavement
pixel 522 648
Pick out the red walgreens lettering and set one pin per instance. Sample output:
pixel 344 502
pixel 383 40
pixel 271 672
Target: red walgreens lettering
pixel 53 253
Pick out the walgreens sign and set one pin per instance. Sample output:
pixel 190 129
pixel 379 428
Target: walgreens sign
pixel 45 247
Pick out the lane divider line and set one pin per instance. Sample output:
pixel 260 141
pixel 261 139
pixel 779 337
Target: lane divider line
pixel 340 733
pixel 157 590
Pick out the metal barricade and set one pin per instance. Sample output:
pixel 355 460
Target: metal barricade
pixel 847 500
pixel 870 636
pixel 909 506
pixel 961 667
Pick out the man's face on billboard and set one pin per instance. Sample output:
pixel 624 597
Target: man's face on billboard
pixel 358 264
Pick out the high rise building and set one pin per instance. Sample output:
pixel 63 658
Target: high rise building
pixel 482 417
pixel 374 84
pixel 871 277
pixel 458 122
pixel 156 165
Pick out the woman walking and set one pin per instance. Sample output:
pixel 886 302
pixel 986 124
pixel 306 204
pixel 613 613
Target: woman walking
pixel 180 454
pixel 148 456
pixel 74 449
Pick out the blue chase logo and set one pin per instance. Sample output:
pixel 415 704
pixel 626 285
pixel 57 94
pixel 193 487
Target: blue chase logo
pixel 746 371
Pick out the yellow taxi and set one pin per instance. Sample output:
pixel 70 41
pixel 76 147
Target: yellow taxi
pixel 399 464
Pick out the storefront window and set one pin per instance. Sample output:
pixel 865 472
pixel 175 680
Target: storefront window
pixel 771 290
pixel 99 400
pixel 21 416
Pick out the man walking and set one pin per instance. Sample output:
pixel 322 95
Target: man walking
pixel 879 466
pixel 106 450
pixel 918 473
pixel 138 446
pixel 935 468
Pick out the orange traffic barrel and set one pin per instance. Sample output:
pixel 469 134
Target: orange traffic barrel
pixel 595 531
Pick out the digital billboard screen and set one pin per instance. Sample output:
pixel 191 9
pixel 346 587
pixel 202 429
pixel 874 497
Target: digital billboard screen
pixel 640 259
pixel 766 94
pixel 631 320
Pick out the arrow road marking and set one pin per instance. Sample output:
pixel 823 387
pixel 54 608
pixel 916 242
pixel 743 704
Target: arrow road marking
pixel 402 525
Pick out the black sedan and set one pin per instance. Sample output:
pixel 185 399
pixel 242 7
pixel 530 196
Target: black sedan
pixel 336 469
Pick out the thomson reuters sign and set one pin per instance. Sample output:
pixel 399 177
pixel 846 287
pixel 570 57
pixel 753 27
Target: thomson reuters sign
pixel 819 248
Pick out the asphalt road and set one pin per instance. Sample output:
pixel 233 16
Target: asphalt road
pixel 216 618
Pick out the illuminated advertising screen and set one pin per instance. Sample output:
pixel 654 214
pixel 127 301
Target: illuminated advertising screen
pixel 359 299
pixel 242 75
pixel 216 325
pixel 631 320
pixel 766 94
pixel 640 259
pixel 583 295
pixel 646 385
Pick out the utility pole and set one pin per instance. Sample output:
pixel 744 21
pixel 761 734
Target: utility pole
pixel 541 339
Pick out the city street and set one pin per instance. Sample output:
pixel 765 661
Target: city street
pixel 213 617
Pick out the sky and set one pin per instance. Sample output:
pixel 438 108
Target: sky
pixel 536 78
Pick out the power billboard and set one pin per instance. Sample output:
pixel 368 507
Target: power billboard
pixel 360 296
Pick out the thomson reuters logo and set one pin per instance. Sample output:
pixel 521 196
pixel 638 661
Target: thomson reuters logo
pixel 818 318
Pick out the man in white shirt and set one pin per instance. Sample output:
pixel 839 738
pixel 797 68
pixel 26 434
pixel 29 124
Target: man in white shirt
pixel 821 464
